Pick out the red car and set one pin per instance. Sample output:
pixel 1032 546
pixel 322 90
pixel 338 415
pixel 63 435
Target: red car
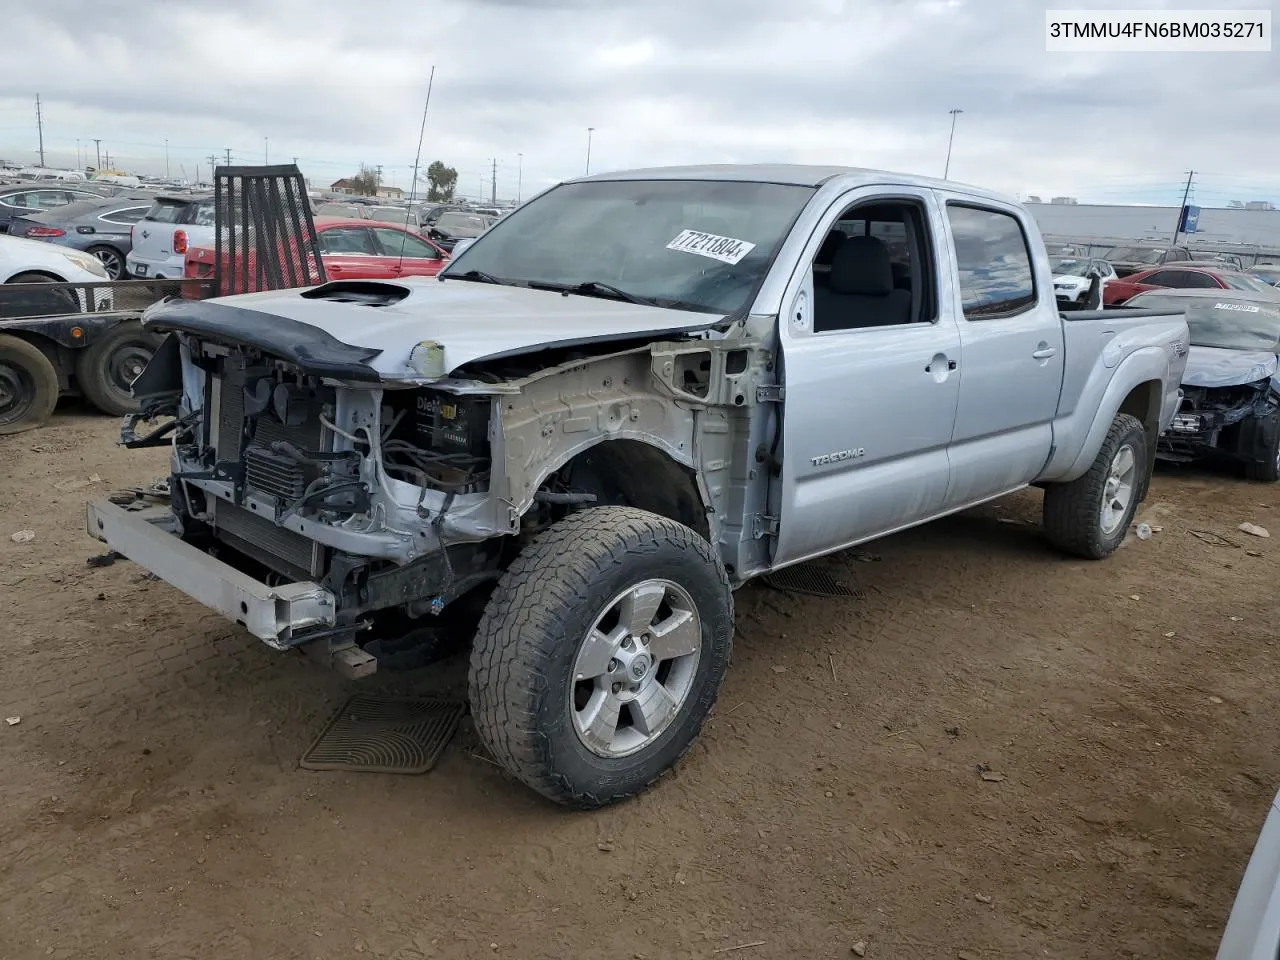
pixel 354 249
pixel 1120 289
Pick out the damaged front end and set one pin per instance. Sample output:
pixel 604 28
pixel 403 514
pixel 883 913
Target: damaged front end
pixel 313 497
pixel 293 466
pixel 1221 422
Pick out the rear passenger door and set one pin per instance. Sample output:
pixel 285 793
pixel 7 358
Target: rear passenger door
pixel 1011 352
pixel 869 353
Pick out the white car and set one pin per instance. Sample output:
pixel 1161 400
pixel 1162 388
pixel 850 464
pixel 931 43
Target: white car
pixel 30 261
pixel 1073 275
pixel 160 240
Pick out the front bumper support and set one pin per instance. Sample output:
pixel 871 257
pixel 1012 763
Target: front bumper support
pixel 275 615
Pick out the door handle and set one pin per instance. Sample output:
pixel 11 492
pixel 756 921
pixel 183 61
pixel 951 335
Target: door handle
pixel 937 362
pixel 1044 353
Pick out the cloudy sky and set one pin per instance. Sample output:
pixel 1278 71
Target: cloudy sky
pixel 859 82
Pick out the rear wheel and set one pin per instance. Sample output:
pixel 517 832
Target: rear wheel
pixel 1090 516
pixel 112 261
pixel 28 386
pixel 106 369
pixel 600 654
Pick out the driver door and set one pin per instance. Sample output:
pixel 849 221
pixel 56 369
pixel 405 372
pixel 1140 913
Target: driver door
pixel 870 394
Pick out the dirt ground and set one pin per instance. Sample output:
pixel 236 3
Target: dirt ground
pixel 153 806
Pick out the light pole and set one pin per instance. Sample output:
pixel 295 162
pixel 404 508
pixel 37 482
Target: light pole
pixel 266 157
pixel 954 113
pixel 519 174
pixel 590 130
pixel 166 158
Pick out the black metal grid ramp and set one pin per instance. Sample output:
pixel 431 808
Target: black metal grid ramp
pixel 266 237
pixel 374 734
pixel 807 578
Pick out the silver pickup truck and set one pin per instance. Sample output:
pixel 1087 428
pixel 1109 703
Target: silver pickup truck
pixel 631 396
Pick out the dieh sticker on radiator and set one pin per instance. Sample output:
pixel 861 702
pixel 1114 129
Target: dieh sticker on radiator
pixel 724 249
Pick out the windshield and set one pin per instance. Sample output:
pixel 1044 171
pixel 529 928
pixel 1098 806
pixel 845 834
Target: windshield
pixel 1134 255
pixel 704 245
pixel 1233 324
pixel 1068 267
pixel 1238 281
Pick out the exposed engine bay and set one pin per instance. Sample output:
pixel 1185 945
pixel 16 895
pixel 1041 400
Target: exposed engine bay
pixel 1219 421
pixel 290 477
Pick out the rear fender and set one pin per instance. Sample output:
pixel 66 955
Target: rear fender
pixel 1079 436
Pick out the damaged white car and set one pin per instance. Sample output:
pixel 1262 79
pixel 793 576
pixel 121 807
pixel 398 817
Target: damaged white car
pixel 1231 406
pixel 631 396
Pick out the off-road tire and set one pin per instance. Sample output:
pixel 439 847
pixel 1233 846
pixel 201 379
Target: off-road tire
pixel 1072 510
pixel 523 655
pixel 1266 469
pixel 94 366
pixel 35 382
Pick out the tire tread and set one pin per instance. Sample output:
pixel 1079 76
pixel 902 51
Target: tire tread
pixel 1071 509
pixel 553 575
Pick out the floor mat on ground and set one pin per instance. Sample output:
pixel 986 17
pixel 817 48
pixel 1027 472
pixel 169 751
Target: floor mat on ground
pixel 373 734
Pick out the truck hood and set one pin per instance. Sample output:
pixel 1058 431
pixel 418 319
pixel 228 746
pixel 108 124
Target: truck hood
pixel 471 321
pixel 1216 367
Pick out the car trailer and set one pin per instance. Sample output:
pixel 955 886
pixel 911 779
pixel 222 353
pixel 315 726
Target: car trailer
pixel 76 339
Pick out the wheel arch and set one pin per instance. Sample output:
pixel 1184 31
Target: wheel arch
pixel 634 471
pixel 1143 403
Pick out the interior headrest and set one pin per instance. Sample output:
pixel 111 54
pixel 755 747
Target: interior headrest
pixel 830 245
pixel 861 266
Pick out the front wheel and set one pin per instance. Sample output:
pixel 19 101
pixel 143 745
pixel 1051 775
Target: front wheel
pixel 1265 468
pixel 1090 516
pixel 600 654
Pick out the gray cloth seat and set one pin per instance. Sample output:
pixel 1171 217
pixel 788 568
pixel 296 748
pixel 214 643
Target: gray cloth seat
pixel 860 291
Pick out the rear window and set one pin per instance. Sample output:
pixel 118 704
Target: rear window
pixel 166 211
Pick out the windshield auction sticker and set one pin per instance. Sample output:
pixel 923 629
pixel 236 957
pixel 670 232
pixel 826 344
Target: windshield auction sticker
pixel 724 249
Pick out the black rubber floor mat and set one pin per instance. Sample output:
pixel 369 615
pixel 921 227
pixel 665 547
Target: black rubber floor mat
pixel 385 735
pixel 808 578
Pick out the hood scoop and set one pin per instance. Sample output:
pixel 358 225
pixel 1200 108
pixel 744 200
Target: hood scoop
pixel 370 293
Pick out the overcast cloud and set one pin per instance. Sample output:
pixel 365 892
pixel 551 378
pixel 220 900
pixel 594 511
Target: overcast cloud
pixel 858 82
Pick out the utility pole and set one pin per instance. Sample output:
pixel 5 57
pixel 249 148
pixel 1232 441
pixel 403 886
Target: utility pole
pixel 166 158
pixel 98 145
pixel 1185 193
pixel 228 149
pixel 590 130
pixel 519 175
pixel 954 113
pixel 40 128
pixel 266 156
pixel 213 165
pixel 78 153
pixel 493 184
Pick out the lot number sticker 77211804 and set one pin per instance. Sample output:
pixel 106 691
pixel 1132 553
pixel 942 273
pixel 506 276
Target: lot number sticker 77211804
pixel 724 249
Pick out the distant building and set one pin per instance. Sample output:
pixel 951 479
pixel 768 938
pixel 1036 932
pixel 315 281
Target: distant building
pixel 391 193
pixel 1034 199
pixel 343 186
pixel 1064 200
pixel 1259 205
pixel 1085 221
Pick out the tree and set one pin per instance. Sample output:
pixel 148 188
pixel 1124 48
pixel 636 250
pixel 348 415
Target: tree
pixel 366 182
pixel 443 180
